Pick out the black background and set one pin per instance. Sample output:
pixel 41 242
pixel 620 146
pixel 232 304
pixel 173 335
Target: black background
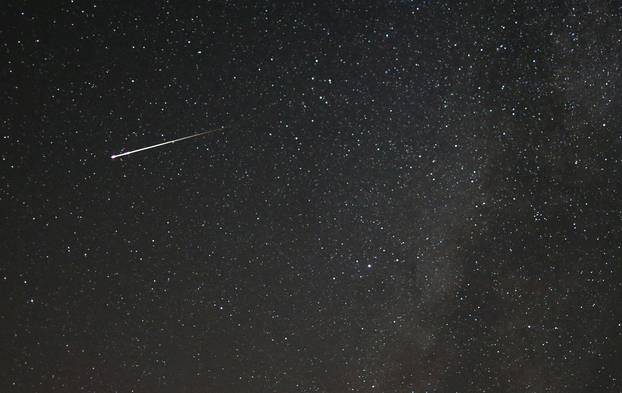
pixel 413 196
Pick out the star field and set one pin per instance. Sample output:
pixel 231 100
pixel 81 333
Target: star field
pixel 410 196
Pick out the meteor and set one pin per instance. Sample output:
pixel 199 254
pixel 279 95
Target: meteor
pixel 127 153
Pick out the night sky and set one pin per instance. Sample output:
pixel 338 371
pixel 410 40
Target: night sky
pixel 408 196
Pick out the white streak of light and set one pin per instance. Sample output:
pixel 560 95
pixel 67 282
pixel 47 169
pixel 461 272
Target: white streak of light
pixel 127 153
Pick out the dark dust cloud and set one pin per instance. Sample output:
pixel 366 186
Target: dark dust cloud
pixel 415 196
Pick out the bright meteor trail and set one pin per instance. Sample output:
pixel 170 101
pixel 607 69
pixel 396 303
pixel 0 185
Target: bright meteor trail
pixel 127 153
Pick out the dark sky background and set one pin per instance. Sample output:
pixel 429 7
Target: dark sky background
pixel 413 196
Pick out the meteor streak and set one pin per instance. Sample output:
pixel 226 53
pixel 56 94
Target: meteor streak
pixel 127 153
